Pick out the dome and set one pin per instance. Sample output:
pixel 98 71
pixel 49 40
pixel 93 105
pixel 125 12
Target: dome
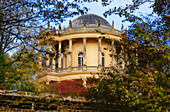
pixel 91 20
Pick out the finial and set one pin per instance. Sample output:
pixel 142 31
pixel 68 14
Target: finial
pixel 54 28
pixel 84 22
pixel 60 26
pixel 41 27
pixel 113 24
pixel 122 27
pixel 48 24
pixel 125 29
pixel 70 23
pixel 99 22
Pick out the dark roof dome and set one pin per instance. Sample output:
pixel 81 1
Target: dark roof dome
pixel 91 20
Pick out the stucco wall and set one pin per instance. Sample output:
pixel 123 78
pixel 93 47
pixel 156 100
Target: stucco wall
pixel 91 52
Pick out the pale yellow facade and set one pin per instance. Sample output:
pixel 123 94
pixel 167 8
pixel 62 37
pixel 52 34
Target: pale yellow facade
pixel 72 42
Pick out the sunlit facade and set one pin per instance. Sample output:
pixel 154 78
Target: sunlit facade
pixel 79 51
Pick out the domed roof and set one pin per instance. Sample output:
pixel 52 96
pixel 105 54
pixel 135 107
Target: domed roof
pixel 91 20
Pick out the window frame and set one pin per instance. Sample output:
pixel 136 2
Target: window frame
pixel 80 59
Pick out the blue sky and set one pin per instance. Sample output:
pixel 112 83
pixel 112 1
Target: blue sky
pixel 96 8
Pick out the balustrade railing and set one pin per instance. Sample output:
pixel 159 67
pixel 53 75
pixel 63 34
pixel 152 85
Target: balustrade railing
pixel 79 68
pixel 84 29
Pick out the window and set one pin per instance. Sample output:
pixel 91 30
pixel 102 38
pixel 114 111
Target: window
pixel 80 59
pixel 102 59
pixel 51 63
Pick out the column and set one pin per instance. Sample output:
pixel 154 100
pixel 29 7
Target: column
pixel 113 53
pixel 48 56
pixel 53 60
pixel 99 52
pixel 84 54
pixel 70 53
pixel 122 57
pixel 40 55
pixel 59 54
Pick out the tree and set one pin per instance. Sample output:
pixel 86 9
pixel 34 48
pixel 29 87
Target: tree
pixel 20 21
pixel 144 86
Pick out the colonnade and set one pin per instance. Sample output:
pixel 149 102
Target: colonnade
pixel 114 62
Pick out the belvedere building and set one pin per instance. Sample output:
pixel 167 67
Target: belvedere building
pixel 80 50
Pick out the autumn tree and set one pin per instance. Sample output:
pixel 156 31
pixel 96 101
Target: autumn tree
pixel 144 84
pixel 20 21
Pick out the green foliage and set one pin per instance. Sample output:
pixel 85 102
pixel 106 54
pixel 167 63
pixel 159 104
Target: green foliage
pixel 20 21
pixel 144 83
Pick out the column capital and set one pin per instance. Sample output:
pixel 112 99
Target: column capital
pixel 84 38
pixel 99 38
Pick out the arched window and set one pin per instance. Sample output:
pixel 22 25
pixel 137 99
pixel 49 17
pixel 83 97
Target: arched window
pixel 102 59
pixel 80 59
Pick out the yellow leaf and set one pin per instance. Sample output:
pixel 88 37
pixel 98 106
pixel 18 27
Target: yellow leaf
pixel 156 72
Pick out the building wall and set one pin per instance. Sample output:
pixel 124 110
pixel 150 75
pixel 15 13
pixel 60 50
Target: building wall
pixel 77 47
pixel 91 52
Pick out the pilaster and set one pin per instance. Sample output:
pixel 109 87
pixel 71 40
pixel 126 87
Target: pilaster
pixel 53 60
pixel 70 53
pixel 84 53
pixel 99 52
